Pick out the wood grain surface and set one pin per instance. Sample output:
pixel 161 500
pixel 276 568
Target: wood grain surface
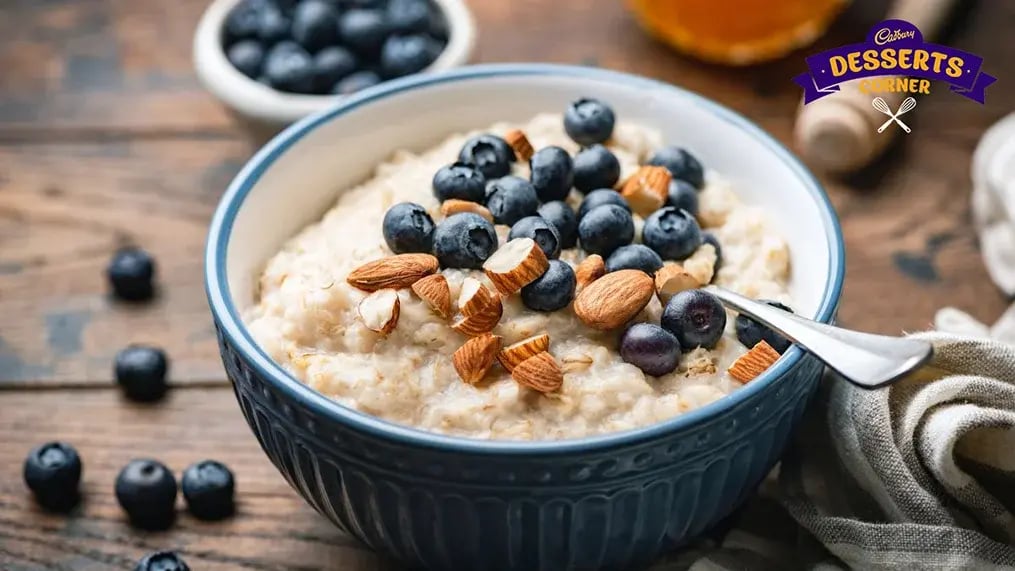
pixel 107 138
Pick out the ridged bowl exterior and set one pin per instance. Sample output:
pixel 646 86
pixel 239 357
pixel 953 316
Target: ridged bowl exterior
pixel 614 508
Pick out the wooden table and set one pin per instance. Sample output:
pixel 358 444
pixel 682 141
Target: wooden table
pixel 106 138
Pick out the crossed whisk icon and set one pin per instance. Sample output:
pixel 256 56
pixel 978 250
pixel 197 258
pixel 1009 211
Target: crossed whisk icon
pixel 881 105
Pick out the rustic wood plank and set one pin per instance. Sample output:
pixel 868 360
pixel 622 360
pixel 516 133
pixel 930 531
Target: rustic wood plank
pixel 64 208
pixel 272 530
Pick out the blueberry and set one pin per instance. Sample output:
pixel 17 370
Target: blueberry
pixel 459 180
pixel 162 561
pixel 540 230
pixel 464 240
pixel 683 195
pixel 599 198
pixel 364 31
pixel 247 56
pixel 696 317
pixel 402 55
pixel 552 173
pixel 146 490
pixel 510 199
pixel 244 20
pixel 330 65
pixel 53 471
pixel 589 121
pixel 750 332
pixel 315 24
pixel 408 228
pixel 208 487
pixel 563 219
pixel 681 164
pixel 605 228
pixel 551 291
pixel 273 26
pixel 131 273
pixel 140 371
pixel 709 238
pixel 651 348
pixel 489 153
pixel 408 16
pixel 438 27
pixel 673 234
pixel 289 67
pixel 595 167
pixel 355 82
pixel 634 257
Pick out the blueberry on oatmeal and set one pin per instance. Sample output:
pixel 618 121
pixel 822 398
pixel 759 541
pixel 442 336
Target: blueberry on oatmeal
pixel 589 121
pixel 490 154
pixel 563 219
pixel 674 234
pixel 750 332
pixel 551 291
pixel 552 173
pixel 682 195
pixel 595 167
pixel 681 164
pixel 605 228
pixel 408 228
pixel 459 180
pixel 651 348
pixel 541 231
pixel 599 198
pixel 510 199
pixel 634 257
pixel 464 240
pixel 696 317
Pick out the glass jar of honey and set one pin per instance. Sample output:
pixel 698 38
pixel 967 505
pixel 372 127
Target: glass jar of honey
pixel 737 32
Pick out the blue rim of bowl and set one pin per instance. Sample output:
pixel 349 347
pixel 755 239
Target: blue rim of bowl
pixel 232 327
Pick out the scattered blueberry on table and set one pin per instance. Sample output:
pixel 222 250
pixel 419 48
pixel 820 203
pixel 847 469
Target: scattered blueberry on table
pixel 52 472
pixel 328 47
pixel 696 317
pixel 141 372
pixel 551 291
pixel 541 231
pixel 146 490
pixel 162 561
pixel 408 228
pixel 634 257
pixel 750 332
pixel 651 348
pixel 208 486
pixel 131 274
pixel 595 167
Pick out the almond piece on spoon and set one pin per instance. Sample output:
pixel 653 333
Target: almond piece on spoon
pixel 512 355
pixel 539 372
pixel 398 271
pixel 515 265
pixel 434 291
pixel 614 299
pixel 672 279
pixel 474 358
pixel 379 310
pixel 520 143
pixel 589 270
pixel 647 189
pixel 457 206
pixel 754 362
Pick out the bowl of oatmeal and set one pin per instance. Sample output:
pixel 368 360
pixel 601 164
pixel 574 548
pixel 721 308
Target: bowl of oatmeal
pixel 463 313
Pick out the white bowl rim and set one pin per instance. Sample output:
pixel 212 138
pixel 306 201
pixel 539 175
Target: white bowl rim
pixel 250 98
pixel 233 328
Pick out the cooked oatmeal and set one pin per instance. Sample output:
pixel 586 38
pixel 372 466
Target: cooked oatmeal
pixel 306 315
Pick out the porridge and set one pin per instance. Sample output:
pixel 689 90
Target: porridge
pixel 521 334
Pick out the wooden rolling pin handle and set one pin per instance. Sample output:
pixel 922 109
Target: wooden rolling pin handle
pixel 838 133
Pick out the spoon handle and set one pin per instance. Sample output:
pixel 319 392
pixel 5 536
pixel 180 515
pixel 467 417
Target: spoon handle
pixel 864 359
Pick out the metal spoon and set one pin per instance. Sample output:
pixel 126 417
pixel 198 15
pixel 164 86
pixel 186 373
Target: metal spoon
pixel 864 359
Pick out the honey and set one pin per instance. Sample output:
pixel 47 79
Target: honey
pixel 737 32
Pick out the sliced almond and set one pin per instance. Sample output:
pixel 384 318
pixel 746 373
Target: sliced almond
pixel 474 297
pixel 379 310
pixel 473 360
pixel 398 271
pixel 672 279
pixel 479 323
pixel 614 299
pixel 646 190
pixel 520 143
pixel 512 355
pixel 457 206
pixel 434 291
pixel 754 362
pixel 589 270
pixel 539 372
pixel 515 265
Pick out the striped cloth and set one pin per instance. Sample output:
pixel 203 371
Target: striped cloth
pixel 920 475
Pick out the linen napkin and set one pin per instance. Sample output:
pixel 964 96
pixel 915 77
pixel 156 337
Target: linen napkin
pixel 919 475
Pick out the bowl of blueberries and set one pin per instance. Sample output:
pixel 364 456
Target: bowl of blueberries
pixel 272 62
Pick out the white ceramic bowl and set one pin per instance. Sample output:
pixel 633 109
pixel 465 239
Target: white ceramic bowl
pixel 265 106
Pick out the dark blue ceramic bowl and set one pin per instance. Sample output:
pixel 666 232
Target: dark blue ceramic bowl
pixel 606 502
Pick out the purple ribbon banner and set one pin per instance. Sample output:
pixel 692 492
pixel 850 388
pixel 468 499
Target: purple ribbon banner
pixel 890 40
